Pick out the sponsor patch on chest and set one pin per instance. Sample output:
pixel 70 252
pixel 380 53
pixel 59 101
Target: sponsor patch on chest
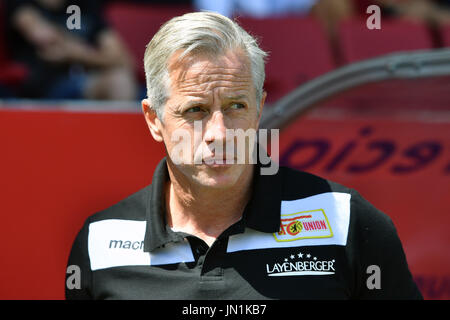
pixel 301 264
pixel 304 225
pixel 321 219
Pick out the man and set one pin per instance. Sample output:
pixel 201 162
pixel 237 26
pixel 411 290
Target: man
pixel 211 228
pixel 86 61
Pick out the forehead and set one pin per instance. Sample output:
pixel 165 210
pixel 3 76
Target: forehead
pixel 203 72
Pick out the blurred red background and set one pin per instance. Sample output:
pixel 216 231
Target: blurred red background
pixel 59 167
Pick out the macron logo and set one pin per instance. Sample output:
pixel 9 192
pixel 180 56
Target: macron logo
pixel 120 244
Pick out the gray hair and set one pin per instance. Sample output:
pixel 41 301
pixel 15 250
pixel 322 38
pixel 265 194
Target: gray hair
pixel 197 32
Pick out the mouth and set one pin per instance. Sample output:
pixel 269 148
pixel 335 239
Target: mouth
pixel 219 161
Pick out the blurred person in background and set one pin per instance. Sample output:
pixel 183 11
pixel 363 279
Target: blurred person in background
pixel 255 8
pixel 89 62
pixel 328 12
pixel 434 12
pixel 334 10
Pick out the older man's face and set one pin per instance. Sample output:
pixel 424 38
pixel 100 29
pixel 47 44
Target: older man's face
pixel 218 93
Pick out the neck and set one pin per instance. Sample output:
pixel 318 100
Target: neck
pixel 204 211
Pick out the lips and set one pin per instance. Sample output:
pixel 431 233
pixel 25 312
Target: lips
pixel 219 160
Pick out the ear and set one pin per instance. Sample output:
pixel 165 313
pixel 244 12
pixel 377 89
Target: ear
pixel 154 124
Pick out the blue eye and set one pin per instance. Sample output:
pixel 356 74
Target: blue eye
pixel 237 106
pixel 194 109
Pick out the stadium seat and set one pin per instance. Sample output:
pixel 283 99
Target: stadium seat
pixel 137 23
pixel 360 6
pixel 298 51
pixel 445 32
pixel 357 42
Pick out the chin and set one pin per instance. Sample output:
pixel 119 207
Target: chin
pixel 218 177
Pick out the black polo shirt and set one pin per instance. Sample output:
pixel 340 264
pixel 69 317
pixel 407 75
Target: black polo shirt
pixel 300 237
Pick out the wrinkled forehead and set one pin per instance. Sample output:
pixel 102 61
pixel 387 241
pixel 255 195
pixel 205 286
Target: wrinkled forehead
pixel 200 72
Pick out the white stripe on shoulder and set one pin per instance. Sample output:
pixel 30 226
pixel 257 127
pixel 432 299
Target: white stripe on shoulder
pixel 116 242
pixel 321 219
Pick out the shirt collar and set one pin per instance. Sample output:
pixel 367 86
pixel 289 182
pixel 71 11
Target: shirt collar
pixel 262 212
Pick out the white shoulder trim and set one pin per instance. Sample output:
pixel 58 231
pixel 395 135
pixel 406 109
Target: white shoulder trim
pixel 116 242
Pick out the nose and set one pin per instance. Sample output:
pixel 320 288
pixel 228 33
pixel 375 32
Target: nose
pixel 215 128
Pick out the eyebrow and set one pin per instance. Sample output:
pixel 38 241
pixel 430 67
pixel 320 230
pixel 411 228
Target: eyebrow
pixel 192 103
pixel 238 97
pixel 227 97
pixel 180 108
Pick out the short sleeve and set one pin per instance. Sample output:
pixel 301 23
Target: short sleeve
pixel 79 275
pixel 380 258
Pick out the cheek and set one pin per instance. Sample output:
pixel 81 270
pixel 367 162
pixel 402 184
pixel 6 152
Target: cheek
pixel 244 122
pixel 248 119
pixel 180 143
pixel 172 129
